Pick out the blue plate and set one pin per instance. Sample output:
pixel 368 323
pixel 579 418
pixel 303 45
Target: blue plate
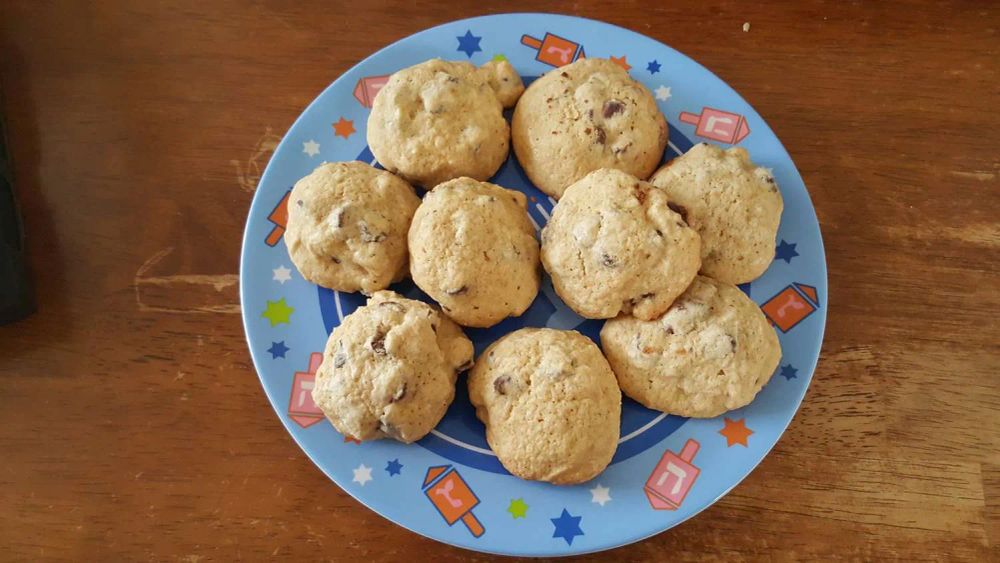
pixel 450 486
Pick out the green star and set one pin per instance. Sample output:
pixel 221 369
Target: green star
pixel 499 57
pixel 517 508
pixel 277 312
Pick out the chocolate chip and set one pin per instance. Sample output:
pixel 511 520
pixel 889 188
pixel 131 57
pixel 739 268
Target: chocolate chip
pixel 500 384
pixel 460 291
pixel 335 259
pixel 587 131
pixel 659 233
pixel 602 137
pixel 613 107
pixel 564 75
pixel 590 114
pixel 732 342
pixel 378 343
pixel 299 203
pixel 486 256
pixel 607 260
pixel 770 180
pixel 669 330
pixel 399 394
pixel 339 360
pixel 679 209
pixel 368 236
pixel 640 194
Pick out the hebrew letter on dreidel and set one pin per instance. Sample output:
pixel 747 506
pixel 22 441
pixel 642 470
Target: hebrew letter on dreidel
pixel 554 50
pixel 564 53
pixel 791 305
pixel 672 478
pixel 792 302
pixel 676 472
pixel 452 497
pixel 445 491
pixel 301 407
pixel 712 120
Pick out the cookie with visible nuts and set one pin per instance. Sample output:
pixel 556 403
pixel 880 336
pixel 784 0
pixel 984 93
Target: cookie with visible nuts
pixel 473 250
pixel 550 404
pixel 584 116
pixel 734 205
pixel 389 369
pixel 711 352
pixel 440 120
pixel 614 245
pixel 347 226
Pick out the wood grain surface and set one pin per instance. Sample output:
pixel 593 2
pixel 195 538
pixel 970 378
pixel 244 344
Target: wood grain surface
pixel 132 424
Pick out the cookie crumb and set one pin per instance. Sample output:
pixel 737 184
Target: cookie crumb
pixel 746 27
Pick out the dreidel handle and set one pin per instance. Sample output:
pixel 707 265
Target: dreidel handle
pixel 689 450
pixel 690 118
pixel 473 524
pixel 530 41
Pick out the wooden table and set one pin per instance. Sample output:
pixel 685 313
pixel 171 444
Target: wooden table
pixel 132 425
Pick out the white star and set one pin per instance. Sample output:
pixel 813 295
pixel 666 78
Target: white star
pixel 663 93
pixel 362 474
pixel 600 494
pixel 282 274
pixel 310 147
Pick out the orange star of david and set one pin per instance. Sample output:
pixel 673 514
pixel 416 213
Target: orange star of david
pixel 736 432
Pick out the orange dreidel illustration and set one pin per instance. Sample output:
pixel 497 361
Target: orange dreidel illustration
pixel 791 305
pixel 554 50
pixel 672 478
pixel 452 497
pixel 718 125
pixel 301 407
pixel 367 87
pixel 278 216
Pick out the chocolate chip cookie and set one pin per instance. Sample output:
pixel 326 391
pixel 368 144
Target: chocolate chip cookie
pixel 389 369
pixel 734 205
pixel 711 352
pixel 440 120
pixel 473 250
pixel 584 116
pixel 614 245
pixel 550 404
pixel 347 226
